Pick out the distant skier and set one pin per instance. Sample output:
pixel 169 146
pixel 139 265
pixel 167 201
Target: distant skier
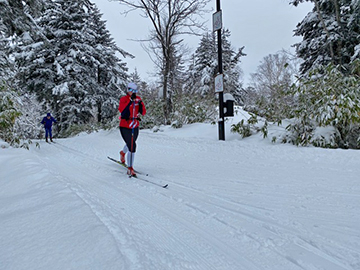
pixel 47 121
pixel 130 107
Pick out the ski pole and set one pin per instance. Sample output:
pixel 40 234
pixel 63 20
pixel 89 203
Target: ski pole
pixel 132 136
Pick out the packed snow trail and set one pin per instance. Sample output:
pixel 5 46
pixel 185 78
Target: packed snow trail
pixel 239 204
pixel 196 245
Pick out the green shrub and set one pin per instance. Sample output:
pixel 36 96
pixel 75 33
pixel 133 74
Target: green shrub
pixel 8 115
pixel 327 98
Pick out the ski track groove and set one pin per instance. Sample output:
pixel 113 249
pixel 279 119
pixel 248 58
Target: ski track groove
pixel 227 206
pixel 292 234
pixel 105 215
pixel 81 194
pixel 85 195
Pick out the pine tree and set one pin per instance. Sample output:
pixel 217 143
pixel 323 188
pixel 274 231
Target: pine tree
pixel 331 34
pixel 205 66
pixel 17 23
pixel 18 26
pixel 111 71
pixel 231 69
pixel 76 73
pixel 328 92
pixel 6 67
pixel 135 77
pixel 200 105
pixel 18 16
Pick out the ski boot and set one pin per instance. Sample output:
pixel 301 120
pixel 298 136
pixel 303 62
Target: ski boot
pixel 122 157
pixel 131 172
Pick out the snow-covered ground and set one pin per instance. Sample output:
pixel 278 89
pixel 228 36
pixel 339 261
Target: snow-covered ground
pixel 239 204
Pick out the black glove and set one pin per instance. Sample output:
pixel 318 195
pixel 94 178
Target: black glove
pixel 140 107
pixel 133 96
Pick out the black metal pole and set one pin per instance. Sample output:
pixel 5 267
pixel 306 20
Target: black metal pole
pixel 221 94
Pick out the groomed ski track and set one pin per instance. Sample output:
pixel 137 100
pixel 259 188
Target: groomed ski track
pixel 229 205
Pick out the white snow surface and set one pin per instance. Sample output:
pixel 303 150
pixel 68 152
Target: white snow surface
pixel 239 204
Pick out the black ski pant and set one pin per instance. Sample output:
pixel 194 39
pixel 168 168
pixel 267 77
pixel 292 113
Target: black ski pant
pixel 127 135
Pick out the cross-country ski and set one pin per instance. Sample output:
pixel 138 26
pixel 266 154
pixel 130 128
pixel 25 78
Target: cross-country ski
pixel 137 174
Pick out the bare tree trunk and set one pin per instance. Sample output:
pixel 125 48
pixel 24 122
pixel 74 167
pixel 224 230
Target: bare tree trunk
pixel 165 90
pixel 166 68
pixel 99 118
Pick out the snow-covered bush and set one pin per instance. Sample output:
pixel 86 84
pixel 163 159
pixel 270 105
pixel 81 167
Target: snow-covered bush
pixel 267 95
pixel 190 109
pixel 327 98
pixel 28 125
pixel 187 109
pixel 251 126
pixel 155 112
pixel 242 128
pixel 8 114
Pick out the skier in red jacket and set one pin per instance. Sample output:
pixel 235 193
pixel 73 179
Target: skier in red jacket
pixel 130 107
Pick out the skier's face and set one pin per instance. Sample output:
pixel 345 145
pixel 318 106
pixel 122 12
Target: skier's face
pixel 131 91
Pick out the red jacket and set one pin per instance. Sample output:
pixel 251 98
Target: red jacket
pixel 130 114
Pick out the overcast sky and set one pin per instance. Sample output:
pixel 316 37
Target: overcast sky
pixel 263 26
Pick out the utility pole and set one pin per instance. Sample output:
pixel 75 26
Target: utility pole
pixel 219 87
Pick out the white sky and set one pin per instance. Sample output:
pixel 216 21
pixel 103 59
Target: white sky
pixel 264 27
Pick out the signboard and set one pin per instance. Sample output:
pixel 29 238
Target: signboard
pixel 219 83
pixel 217 21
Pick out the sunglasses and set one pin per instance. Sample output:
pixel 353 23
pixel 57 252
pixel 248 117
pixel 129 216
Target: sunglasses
pixel 132 90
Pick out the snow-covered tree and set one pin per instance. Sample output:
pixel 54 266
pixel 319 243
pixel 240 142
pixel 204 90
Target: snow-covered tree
pixel 204 67
pixel 196 103
pixel 8 113
pixel 232 71
pixel 135 77
pixel 327 94
pixel 27 125
pixel 328 98
pixel 270 84
pixel 18 16
pixel 76 73
pixel 331 34
pixel 111 71
pixel 6 66
pixel 18 26
pixel 17 22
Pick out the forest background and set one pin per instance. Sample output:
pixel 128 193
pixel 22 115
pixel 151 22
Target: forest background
pixel 58 56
